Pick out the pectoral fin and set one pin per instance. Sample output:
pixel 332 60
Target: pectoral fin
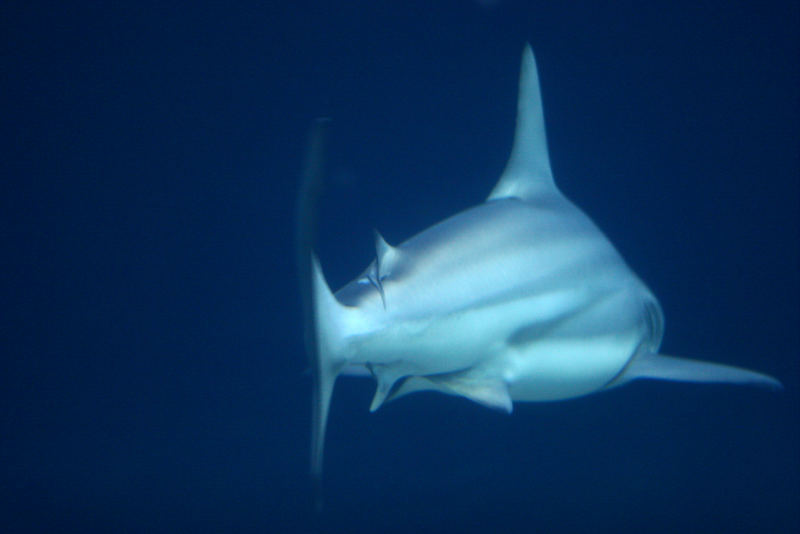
pixel 660 367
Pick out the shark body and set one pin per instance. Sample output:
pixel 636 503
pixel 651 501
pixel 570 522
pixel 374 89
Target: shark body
pixel 521 298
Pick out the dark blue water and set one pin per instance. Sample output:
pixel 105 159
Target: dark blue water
pixel 152 375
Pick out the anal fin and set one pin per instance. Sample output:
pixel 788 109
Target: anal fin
pixel 386 377
pixel 488 391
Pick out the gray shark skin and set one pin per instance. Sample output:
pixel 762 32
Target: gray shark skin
pixel 521 298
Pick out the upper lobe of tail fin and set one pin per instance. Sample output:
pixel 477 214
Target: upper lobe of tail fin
pixel 308 195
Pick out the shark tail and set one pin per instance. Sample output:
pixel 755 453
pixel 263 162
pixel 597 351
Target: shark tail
pixel 328 323
pixel 661 367
pixel 318 302
pixel 332 322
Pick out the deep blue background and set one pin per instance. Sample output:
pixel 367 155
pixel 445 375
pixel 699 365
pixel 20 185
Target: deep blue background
pixel 152 365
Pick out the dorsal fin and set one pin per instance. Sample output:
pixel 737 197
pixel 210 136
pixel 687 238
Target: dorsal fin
pixel 527 173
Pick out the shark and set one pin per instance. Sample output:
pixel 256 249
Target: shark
pixel 521 298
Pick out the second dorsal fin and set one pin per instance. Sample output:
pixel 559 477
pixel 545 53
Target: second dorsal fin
pixel 386 255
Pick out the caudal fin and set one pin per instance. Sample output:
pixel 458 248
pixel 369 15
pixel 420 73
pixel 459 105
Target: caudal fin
pixel 660 367
pixel 330 321
pixel 315 295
